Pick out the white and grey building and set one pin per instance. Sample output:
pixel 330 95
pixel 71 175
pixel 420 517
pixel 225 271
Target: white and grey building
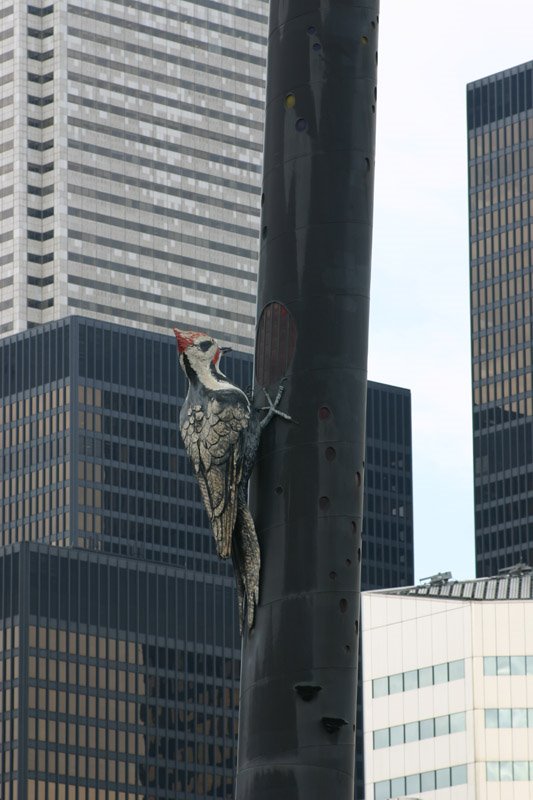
pixel 130 162
pixel 448 690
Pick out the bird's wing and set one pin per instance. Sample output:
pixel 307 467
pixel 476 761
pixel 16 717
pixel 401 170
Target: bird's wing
pixel 214 439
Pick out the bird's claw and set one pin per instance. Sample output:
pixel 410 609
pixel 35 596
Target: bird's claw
pixel 272 407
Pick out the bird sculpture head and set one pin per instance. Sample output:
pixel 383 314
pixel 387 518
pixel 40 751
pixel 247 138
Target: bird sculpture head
pixel 198 351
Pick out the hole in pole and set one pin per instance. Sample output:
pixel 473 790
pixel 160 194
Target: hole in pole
pixel 324 412
pixel 332 575
pixel 343 605
pixel 311 30
pixel 324 503
pixel 279 489
pixel 364 39
pixel 331 453
pixel 358 479
pixel 301 125
pixel 317 46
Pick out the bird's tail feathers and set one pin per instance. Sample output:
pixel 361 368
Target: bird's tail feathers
pixel 249 556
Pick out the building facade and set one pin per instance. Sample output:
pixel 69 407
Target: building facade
pixel 91 461
pixel 448 688
pixel 500 161
pixel 119 678
pixel 388 558
pixel 120 640
pixel 130 158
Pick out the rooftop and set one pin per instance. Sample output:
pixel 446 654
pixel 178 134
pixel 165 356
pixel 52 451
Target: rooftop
pixel 514 583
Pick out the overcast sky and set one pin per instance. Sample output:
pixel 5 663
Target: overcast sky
pixel 419 325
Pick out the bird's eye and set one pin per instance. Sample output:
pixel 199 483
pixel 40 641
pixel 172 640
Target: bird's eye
pixel 204 346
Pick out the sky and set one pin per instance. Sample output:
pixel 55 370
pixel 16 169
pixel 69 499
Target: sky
pixel 419 318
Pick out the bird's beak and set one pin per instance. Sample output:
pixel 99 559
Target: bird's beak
pixel 224 350
pixel 184 339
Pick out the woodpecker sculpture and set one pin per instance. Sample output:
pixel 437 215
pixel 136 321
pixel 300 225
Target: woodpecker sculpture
pixel 221 431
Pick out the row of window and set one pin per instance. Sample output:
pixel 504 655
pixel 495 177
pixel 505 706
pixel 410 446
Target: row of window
pixel 423 782
pixel 509 770
pixel 418 678
pixel 508 665
pixel 499 243
pixel 509 717
pixel 422 729
pixel 516 263
pixel 500 137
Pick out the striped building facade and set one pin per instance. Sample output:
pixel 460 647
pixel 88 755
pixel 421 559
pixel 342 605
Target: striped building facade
pixel 130 163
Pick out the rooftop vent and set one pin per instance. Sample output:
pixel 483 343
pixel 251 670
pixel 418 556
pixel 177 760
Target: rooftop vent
pixel 439 579
pixel 516 570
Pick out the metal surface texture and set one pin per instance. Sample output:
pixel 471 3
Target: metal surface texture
pixel 299 672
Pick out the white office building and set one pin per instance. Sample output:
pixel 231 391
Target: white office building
pixel 130 162
pixel 448 690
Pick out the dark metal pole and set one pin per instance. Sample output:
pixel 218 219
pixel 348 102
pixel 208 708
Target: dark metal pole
pixel 299 671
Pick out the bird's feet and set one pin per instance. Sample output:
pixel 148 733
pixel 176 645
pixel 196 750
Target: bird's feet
pixel 272 407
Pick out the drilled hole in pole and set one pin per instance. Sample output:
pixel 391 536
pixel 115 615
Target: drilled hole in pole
pixel 324 412
pixel 324 502
pixel 364 39
pixel 332 575
pixel 343 605
pixel 330 453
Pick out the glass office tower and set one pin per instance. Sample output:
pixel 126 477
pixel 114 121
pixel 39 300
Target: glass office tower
pixel 118 622
pixel 119 643
pixel 119 678
pixel 388 559
pixel 500 160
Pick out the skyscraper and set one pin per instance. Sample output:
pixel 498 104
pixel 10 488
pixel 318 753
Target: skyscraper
pixel 119 642
pixel 500 159
pixel 130 147
pixel 388 558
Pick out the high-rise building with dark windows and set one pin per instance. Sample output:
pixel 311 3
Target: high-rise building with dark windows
pixel 119 644
pixel 500 163
pixel 388 559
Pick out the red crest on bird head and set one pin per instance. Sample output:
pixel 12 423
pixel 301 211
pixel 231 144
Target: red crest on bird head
pixel 186 338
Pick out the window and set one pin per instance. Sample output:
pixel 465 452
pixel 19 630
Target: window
pixel 508 665
pixel 413 679
pixel 508 717
pixel 381 738
pixel 423 729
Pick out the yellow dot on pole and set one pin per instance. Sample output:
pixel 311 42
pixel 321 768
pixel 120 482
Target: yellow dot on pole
pixel 290 100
